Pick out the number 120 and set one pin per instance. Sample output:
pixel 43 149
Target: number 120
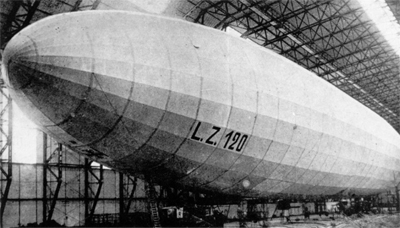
pixel 237 142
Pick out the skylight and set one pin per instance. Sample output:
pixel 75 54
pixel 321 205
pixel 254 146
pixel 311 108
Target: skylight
pixel 379 12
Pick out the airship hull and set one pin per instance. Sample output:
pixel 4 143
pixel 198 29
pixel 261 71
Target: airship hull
pixel 191 106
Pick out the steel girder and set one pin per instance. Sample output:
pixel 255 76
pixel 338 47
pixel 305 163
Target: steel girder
pixel 6 127
pixel 94 179
pixel 21 13
pixel 52 177
pixel 394 5
pixel 127 188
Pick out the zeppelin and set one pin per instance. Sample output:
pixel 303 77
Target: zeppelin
pixel 186 105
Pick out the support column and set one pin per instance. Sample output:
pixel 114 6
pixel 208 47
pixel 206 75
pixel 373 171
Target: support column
pixel 44 156
pixel 127 188
pixel 92 193
pixel 5 151
pixel 397 198
pixel 52 174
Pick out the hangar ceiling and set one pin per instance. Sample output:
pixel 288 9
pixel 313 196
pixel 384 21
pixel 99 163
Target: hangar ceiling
pixel 394 6
pixel 332 38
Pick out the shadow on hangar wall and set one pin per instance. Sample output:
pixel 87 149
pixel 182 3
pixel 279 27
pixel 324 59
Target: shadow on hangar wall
pixel 332 38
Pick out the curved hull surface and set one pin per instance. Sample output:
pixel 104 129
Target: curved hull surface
pixel 192 106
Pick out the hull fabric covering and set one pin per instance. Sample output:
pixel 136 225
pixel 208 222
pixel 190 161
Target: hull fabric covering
pixel 187 105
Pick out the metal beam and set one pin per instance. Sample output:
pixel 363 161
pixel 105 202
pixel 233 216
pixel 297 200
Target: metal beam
pixel 365 75
pixel 206 9
pixel 284 17
pixel 312 41
pixel 44 207
pixel 31 11
pixel 126 194
pixel 231 18
pixel 76 6
pixel 5 36
pixel 302 29
pixel 379 86
pixel 51 196
pixel 100 182
pixel 349 63
pixel 7 173
pixel 95 4
pixel 92 196
pixel 375 66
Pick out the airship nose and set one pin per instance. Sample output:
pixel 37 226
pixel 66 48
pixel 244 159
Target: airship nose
pixel 73 81
pixel 33 69
pixel 17 71
pixel 49 70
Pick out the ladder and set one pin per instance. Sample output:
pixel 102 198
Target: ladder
pixel 150 192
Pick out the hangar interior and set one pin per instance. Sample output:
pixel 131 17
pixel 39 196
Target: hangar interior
pixel 335 39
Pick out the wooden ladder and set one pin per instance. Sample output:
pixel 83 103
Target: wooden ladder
pixel 150 192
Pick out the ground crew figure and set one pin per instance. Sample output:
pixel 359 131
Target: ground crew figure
pixel 286 208
pixel 306 212
pixel 284 205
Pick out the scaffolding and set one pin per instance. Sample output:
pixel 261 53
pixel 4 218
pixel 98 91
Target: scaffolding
pixel 6 126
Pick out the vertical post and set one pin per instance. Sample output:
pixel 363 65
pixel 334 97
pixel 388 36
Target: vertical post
pixel 126 192
pixel 10 136
pixel 132 192
pixel 59 181
pixel 50 196
pixel 90 194
pixel 100 181
pixel 397 198
pixel 87 167
pixel 380 202
pixel 44 177
pixel 7 147
pixel 121 199
pixel 388 203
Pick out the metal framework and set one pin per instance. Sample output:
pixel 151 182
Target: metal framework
pixel 332 38
pixel 18 14
pixel 127 188
pixel 94 179
pixel 5 148
pixel 394 6
pixel 52 178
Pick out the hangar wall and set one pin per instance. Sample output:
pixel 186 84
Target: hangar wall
pixel 35 185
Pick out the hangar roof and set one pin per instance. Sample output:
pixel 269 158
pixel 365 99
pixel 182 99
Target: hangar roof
pixel 394 6
pixel 335 39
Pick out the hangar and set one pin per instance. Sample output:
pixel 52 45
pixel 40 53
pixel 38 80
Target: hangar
pixel 338 41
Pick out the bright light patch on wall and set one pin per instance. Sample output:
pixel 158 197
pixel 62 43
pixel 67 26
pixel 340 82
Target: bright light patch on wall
pixel 233 32
pixel 24 138
pixel 379 12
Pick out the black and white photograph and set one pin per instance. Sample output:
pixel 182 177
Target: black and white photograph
pixel 200 113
